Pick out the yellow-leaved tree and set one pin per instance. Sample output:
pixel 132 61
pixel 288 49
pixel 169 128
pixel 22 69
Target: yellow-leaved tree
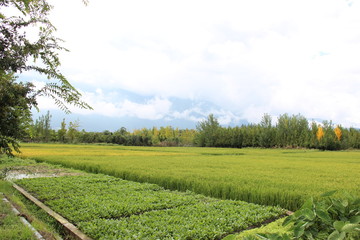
pixel 320 133
pixel 338 133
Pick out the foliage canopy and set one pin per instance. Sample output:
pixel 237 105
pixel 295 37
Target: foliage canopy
pixel 21 51
pixel 15 112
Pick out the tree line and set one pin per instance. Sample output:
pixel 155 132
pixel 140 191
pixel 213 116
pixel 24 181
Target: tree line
pixel 40 131
pixel 293 131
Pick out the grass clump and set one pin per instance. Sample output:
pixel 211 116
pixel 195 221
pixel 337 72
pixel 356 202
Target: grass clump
pixel 10 225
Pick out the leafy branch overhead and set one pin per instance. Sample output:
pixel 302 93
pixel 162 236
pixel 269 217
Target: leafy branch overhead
pixel 18 53
pixel 21 52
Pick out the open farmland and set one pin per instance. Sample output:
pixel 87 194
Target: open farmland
pixel 282 177
pixel 105 207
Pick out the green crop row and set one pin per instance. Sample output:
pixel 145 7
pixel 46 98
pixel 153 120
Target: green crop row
pixel 284 177
pixel 106 207
pixel 81 198
pixel 199 221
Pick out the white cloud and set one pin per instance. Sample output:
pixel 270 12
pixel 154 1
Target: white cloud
pixel 154 109
pixel 109 104
pixel 248 57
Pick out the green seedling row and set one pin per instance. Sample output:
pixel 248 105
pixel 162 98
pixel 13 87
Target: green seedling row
pixel 106 207
pixel 211 220
pixel 81 198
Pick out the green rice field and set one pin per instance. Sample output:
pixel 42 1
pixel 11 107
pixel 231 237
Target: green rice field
pixel 283 177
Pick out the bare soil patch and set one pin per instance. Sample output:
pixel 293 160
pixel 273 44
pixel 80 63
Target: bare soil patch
pixel 36 171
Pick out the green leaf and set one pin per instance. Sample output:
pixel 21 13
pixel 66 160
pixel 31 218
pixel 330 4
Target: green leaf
pixel 349 227
pixel 230 237
pixel 337 236
pixel 345 202
pixel 297 214
pixel 328 194
pixel 288 220
pixel 309 235
pixel 323 215
pixel 338 206
pixel 338 225
pixel 262 236
pixel 286 237
pixel 308 213
pixel 334 236
pixel 299 231
pixel 308 204
pixel 355 219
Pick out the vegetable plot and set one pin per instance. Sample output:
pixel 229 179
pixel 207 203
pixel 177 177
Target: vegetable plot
pixel 105 207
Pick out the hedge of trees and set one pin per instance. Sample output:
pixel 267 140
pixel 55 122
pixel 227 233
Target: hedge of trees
pixel 40 131
pixel 289 132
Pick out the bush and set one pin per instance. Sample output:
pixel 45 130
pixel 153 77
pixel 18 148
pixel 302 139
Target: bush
pixel 327 218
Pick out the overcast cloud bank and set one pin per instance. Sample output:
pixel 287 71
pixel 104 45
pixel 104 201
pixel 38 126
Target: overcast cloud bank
pixel 236 59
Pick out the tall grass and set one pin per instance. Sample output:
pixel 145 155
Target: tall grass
pixel 265 176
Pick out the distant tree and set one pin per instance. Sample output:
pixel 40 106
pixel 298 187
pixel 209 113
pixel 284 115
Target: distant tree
pixel 249 133
pixel 354 138
pixel 237 137
pixel 107 136
pixel 292 131
pixel 177 135
pixel 155 136
pixel 120 136
pixel 283 130
pixel 312 136
pixel 42 128
pixel 320 133
pixel 62 132
pixel 162 134
pixel 170 136
pixel 330 141
pixel 73 131
pixel 207 132
pixel 338 133
pixel 186 137
pixel 301 130
pixel 267 132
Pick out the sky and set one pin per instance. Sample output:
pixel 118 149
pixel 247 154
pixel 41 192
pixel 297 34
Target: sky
pixel 146 63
